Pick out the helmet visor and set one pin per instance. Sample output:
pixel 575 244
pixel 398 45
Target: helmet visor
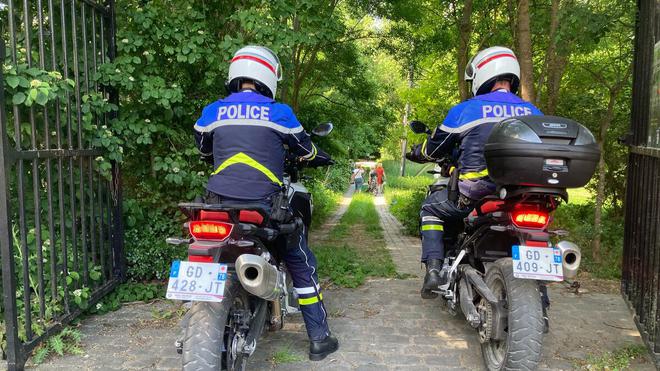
pixel 470 70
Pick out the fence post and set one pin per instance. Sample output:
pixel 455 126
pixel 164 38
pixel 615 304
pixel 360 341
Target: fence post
pixel 117 199
pixel 14 354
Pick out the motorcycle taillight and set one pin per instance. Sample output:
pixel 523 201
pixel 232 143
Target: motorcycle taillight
pixel 210 230
pixel 200 258
pixel 530 218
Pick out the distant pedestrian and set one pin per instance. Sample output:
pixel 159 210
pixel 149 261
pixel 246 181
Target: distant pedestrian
pixel 358 178
pixel 380 177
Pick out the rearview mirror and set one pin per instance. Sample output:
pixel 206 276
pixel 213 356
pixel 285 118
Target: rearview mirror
pixel 323 129
pixel 419 127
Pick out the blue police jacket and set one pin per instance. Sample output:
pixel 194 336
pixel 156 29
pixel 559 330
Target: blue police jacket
pixel 468 125
pixel 248 135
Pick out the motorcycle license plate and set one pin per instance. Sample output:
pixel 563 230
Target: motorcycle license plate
pixel 537 263
pixel 197 281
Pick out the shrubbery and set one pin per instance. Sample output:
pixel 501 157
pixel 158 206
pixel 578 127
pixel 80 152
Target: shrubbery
pixel 406 194
pixel 578 219
pixel 148 257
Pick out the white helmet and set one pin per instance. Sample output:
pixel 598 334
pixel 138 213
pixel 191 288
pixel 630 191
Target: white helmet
pixel 257 64
pixel 489 65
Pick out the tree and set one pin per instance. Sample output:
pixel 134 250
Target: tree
pixel 525 53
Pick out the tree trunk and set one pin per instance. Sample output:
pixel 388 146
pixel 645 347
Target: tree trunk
pixel 525 52
pixel 555 63
pixel 600 193
pixel 513 20
pixel 555 74
pixel 463 50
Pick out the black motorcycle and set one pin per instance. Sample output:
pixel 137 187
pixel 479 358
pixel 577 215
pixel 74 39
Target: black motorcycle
pixel 235 277
pixel 503 253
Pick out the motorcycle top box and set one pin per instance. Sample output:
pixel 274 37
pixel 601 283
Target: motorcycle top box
pixel 545 151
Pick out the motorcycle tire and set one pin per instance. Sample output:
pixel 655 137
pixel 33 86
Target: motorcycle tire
pixel 206 330
pixel 524 334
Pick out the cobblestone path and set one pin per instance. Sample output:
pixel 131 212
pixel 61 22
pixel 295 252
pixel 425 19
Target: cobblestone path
pixel 382 325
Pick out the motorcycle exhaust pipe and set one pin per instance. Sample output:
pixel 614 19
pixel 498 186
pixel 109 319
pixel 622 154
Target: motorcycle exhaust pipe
pixel 570 258
pixel 259 277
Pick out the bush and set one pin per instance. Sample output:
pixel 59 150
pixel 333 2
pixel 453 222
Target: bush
pixel 325 202
pixel 578 221
pixel 147 255
pixel 405 205
pixel 327 185
pixel 406 194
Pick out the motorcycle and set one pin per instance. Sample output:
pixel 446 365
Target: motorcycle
pixel 234 279
pixel 503 253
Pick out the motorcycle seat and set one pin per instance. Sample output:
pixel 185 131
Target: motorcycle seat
pixel 487 207
pixel 244 216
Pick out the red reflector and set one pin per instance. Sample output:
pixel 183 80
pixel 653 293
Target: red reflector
pixel 530 219
pixel 200 258
pixel 209 230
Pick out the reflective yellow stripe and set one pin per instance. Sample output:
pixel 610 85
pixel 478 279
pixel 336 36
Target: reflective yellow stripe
pixel 424 148
pixel 242 158
pixel 314 152
pixel 312 300
pixel 475 175
pixel 433 227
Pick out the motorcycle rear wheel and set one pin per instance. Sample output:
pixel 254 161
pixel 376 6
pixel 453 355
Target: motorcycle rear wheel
pixel 208 335
pixel 524 334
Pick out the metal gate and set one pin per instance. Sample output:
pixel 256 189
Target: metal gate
pixel 641 261
pixel 60 211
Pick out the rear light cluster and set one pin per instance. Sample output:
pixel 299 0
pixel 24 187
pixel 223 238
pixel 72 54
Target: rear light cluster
pixel 530 219
pixel 208 230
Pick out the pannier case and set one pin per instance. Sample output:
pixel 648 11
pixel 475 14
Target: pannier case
pixel 541 151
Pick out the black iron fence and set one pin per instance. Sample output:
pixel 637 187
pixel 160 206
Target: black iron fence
pixel 641 261
pixel 60 199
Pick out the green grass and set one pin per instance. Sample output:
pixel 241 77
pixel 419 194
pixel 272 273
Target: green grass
pixel 580 196
pixel 285 355
pixel 616 360
pixel 393 167
pixel 355 248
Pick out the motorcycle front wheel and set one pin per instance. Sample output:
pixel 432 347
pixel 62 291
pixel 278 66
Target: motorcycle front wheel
pixel 210 336
pixel 524 334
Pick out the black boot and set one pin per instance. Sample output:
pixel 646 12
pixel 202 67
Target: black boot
pixel 318 350
pixel 435 277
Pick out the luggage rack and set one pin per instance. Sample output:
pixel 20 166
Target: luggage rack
pixel 517 191
pixel 192 209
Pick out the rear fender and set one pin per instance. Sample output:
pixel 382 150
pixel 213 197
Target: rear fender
pixel 222 251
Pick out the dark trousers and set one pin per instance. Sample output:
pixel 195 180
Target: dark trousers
pixel 301 263
pixel 437 212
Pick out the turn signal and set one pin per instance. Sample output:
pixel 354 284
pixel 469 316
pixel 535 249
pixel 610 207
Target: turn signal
pixel 206 230
pixel 530 219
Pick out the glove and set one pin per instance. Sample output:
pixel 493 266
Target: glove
pixel 321 159
pixel 207 158
pixel 415 154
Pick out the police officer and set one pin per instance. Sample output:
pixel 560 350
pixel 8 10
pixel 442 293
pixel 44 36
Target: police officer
pixel 246 134
pixel 495 77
